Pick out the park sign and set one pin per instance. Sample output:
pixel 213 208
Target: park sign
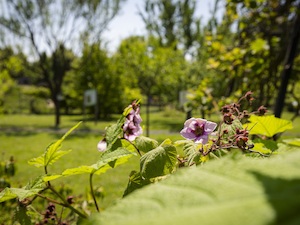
pixel 90 97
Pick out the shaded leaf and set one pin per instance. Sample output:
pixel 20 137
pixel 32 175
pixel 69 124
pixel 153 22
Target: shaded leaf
pixel 20 215
pixel 158 162
pixel 135 182
pixel 232 190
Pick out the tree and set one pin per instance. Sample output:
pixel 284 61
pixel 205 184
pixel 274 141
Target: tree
pixel 98 71
pixel 247 48
pixel 158 72
pixel 172 22
pixel 47 28
pixel 13 70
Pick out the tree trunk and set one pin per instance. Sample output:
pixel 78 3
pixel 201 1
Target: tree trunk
pixel 288 66
pixel 57 113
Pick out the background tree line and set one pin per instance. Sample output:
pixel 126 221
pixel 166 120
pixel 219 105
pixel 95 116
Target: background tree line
pixel 253 47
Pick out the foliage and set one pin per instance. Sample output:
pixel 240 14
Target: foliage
pixel 250 45
pixel 158 162
pixel 47 29
pixel 252 188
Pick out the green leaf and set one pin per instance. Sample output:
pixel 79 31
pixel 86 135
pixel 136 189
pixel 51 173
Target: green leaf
pixel 52 153
pixel 51 177
pixel 20 215
pixel 31 189
pixel 232 190
pixel 267 125
pixel 192 152
pixel 158 162
pixel 135 182
pixel 145 144
pixel 107 161
pixel 294 141
pixel 113 133
pixel 7 194
pixel 260 147
pixel 258 45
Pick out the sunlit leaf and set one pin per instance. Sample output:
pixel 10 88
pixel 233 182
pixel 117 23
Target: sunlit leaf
pixel 51 177
pixel 267 125
pixel 294 141
pixel 261 148
pixel 107 161
pixel 145 144
pixel 258 45
pixel 52 153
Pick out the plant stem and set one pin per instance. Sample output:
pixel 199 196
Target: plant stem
pixel 133 146
pixel 93 193
pixel 66 204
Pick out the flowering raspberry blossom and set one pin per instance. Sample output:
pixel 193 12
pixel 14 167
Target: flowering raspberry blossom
pixel 197 129
pixel 132 127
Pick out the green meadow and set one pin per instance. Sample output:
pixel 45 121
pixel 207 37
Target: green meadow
pixel 26 136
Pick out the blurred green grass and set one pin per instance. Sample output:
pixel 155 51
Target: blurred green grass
pixel 27 136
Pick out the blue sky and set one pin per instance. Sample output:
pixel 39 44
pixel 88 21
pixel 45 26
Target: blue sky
pixel 128 22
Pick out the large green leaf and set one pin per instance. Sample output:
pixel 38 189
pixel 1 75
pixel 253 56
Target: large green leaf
pixel 31 189
pixel 159 161
pixel 145 144
pixel 107 161
pixel 52 153
pixel 267 125
pixel 230 191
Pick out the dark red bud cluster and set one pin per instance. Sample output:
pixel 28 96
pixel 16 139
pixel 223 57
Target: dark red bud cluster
pixel 262 110
pixel 225 109
pixel 70 199
pixel 248 96
pixel 245 114
pixel 241 142
pixel 241 138
pixel 228 118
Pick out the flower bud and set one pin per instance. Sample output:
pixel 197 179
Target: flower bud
pixel 228 118
pixel 249 97
pixel 70 199
pixel 225 109
pixel 241 142
pixel 262 110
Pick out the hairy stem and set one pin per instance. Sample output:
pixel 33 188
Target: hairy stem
pixel 93 193
pixel 66 204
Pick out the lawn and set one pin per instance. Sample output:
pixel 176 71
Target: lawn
pixel 27 136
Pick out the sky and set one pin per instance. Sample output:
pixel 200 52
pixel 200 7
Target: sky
pixel 129 23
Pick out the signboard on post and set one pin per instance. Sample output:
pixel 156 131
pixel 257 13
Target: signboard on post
pixel 90 99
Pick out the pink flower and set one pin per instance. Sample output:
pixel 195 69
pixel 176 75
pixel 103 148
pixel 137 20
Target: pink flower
pixel 131 127
pixel 131 130
pixel 197 129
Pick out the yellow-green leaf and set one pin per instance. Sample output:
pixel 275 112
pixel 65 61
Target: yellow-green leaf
pixel 267 125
